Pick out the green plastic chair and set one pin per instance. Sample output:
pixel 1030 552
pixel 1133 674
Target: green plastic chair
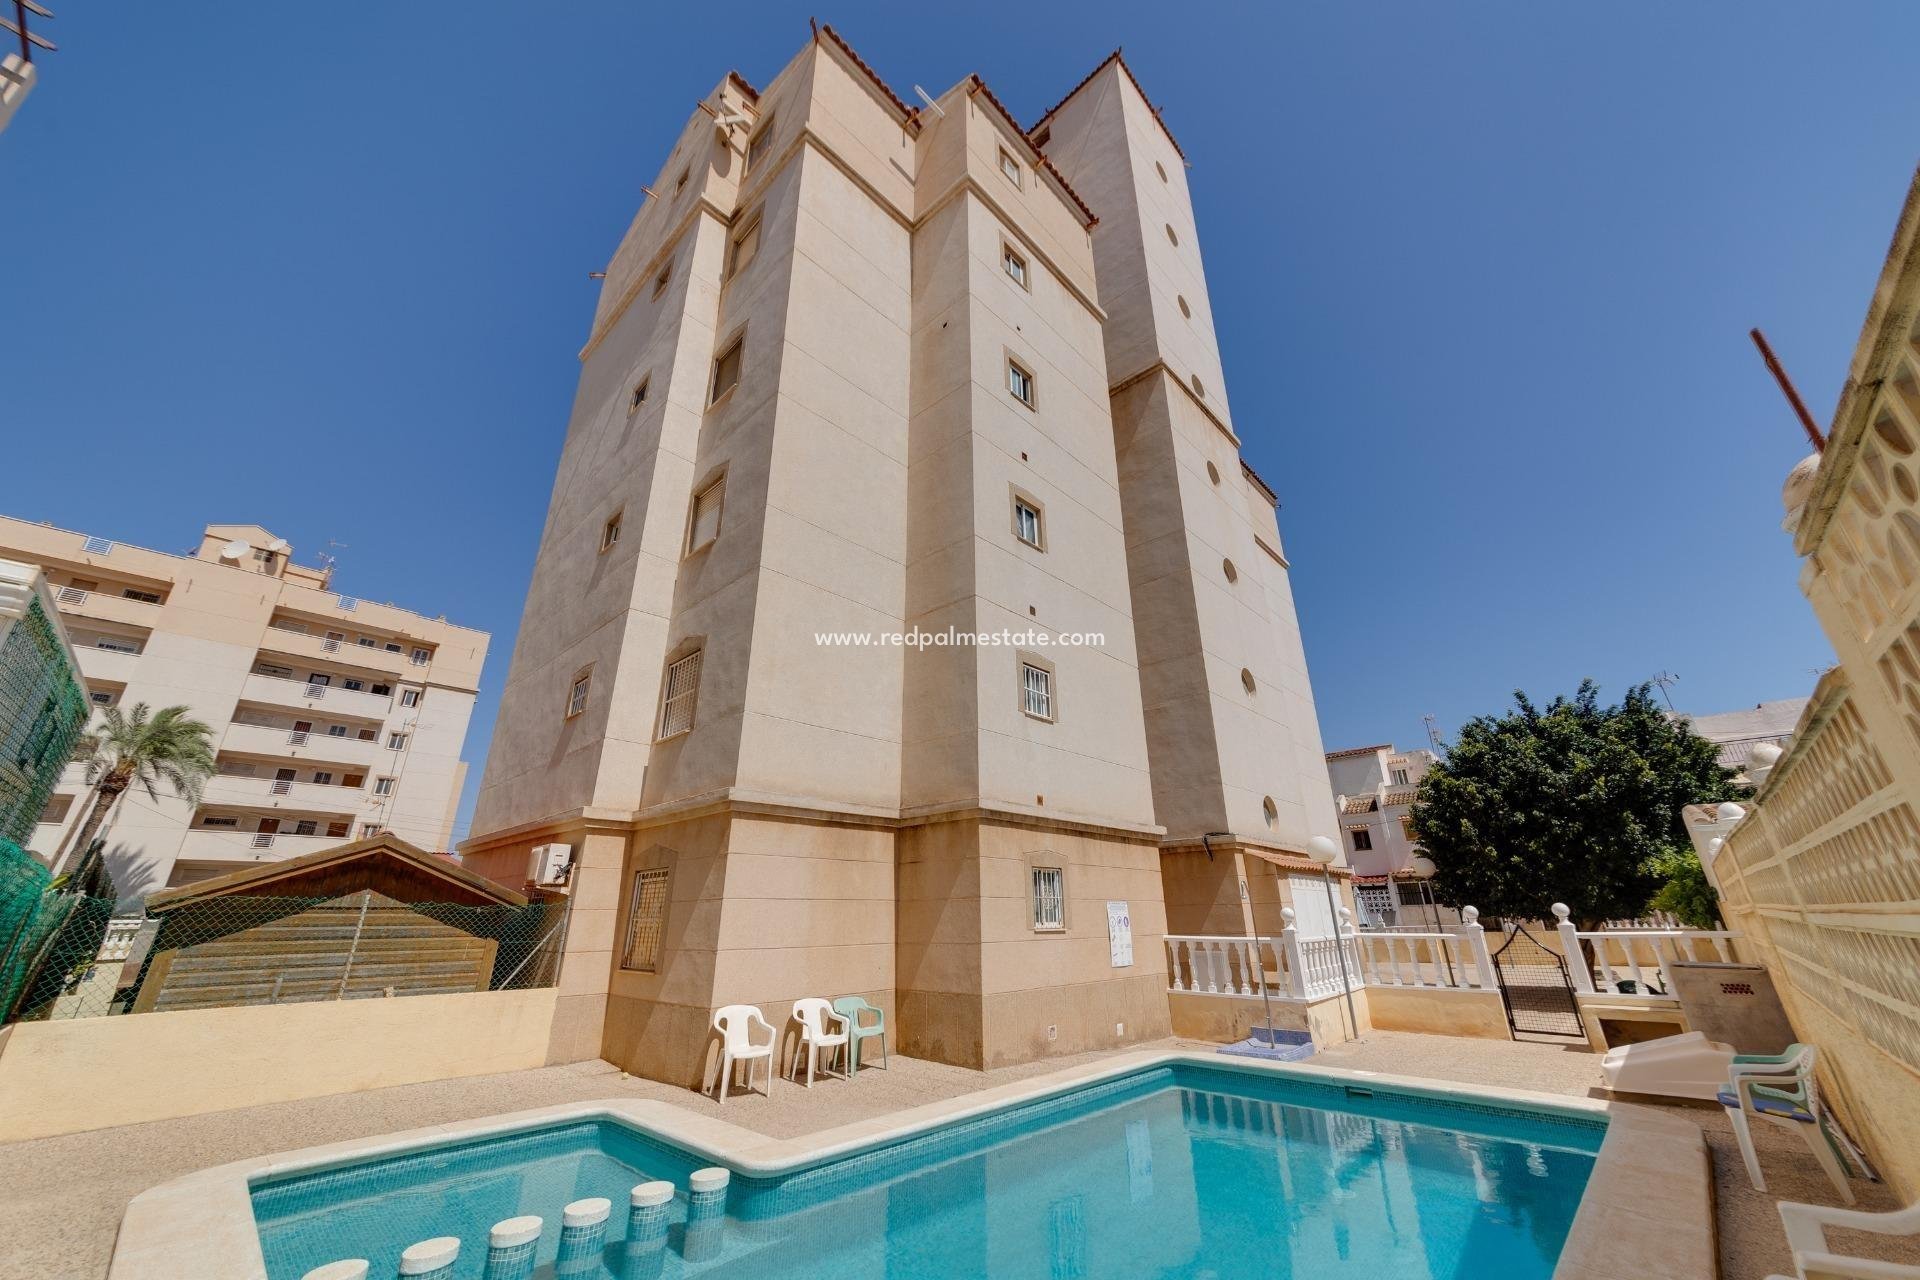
pixel 852 1008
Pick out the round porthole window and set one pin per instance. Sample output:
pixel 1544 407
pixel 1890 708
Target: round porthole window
pixel 1213 473
pixel 1199 388
pixel 1246 680
pixel 1172 238
pixel 1185 310
pixel 1272 810
pixel 1233 574
pixel 1160 169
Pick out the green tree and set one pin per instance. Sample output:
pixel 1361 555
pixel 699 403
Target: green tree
pixel 1686 893
pixel 1569 804
pixel 141 749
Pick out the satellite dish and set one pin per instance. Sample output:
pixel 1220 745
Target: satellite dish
pixel 235 550
pixel 280 546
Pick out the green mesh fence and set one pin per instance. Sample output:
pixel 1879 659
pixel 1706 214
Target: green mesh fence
pixel 24 927
pixel 247 950
pixel 43 712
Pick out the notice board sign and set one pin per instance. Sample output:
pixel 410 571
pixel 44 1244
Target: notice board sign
pixel 1120 934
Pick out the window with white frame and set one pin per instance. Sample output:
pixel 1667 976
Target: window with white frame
pixel 336 731
pixel 383 786
pixel 577 696
pixel 1036 691
pixel 1014 264
pixel 646 921
pixel 745 245
pixel 1049 899
pixel 1020 382
pixel 1011 167
pixel 1398 777
pixel 704 527
pixel 726 370
pixel 421 657
pixel 682 690
pixel 392 646
pixel 370 829
pixel 396 742
pixel 1362 840
pixel 410 697
pixel 323 777
pixel 1026 521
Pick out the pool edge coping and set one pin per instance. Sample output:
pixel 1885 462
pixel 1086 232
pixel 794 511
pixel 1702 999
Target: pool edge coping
pixel 200 1226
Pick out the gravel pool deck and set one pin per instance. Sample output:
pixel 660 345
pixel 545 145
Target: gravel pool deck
pixel 61 1199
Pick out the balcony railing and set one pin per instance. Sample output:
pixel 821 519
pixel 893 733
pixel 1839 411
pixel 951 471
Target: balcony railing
pixel 1634 961
pixel 1289 967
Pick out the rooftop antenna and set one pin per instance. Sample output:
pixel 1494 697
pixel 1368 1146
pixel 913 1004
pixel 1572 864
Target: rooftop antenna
pixel 327 558
pixel 931 104
pixel 28 40
pixel 1433 733
pixel 1666 679
pixel 1786 386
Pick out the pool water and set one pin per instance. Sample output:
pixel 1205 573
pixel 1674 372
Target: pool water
pixel 1178 1170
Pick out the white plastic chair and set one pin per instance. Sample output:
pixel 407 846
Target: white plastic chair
pixel 1807 1225
pixel 815 1015
pixel 735 1024
pixel 1783 1091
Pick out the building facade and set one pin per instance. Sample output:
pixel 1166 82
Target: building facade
pixel 1373 790
pixel 43 703
pixel 333 718
pixel 1821 873
pixel 861 369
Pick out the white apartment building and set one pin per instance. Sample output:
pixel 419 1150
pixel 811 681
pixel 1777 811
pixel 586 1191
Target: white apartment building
pixel 1373 789
pixel 334 718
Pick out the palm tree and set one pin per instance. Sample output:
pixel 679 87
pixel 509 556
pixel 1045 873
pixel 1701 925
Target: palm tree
pixel 169 746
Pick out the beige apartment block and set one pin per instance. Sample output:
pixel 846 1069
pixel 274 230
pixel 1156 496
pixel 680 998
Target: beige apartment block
pixel 333 718
pixel 1822 871
pixel 860 367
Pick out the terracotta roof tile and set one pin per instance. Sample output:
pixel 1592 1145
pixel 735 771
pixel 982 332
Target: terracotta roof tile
pixel 1115 56
pixel 1040 157
pixel 911 113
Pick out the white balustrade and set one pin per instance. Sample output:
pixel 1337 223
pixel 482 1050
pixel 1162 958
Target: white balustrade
pixel 1633 961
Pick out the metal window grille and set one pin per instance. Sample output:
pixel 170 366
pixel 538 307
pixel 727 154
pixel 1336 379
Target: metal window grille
pixel 297 738
pixel 707 505
pixel 281 787
pixel 72 595
pixel 577 698
pixel 646 921
pixel 316 691
pixel 1049 898
pixel 305 827
pixel 263 840
pixel 349 603
pixel 1037 691
pixel 97 547
pixel 683 684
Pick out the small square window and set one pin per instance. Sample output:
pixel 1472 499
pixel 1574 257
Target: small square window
pixel 660 281
pixel 704 527
pixel 368 831
pixel 1011 167
pixel 368 642
pixel 355 686
pixel 1049 899
pixel 745 245
pixel 1014 264
pixel 1036 691
pixel 1027 523
pixel 639 396
pixel 577 696
pixel 383 786
pixel 421 657
pixel 1020 382
pixel 396 742
pixel 410 697
pixel 1399 777
pixel 323 777
pixel 336 731
pixel 610 531
pixel 338 830
pixel 101 697
pixel 680 183
pixel 1362 841
pixel 759 145
pixel 646 921
pixel 369 735
pixel 726 371
pixel 677 700
pixel 393 647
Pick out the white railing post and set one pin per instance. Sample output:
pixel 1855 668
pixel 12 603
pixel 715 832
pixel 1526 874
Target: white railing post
pixel 1473 937
pixel 1290 956
pixel 1577 967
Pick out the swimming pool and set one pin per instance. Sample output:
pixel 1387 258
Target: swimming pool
pixel 1178 1169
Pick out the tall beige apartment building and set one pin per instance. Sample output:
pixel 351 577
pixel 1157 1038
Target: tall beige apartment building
pixel 872 369
pixel 334 718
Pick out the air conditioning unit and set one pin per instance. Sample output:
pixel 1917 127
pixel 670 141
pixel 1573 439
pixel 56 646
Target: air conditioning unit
pixel 550 865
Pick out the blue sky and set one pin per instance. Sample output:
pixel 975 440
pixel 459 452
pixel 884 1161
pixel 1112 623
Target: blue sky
pixel 1483 275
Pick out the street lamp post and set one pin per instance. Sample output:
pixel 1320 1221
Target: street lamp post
pixel 1422 867
pixel 1324 851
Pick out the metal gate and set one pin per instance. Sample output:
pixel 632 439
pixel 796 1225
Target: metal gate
pixel 1534 983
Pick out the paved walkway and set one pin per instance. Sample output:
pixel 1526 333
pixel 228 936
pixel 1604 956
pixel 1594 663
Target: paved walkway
pixel 61 1198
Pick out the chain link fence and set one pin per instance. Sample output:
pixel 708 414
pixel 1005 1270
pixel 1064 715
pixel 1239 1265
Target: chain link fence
pixel 43 712
pixel 240 949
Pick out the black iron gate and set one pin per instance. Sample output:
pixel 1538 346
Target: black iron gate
pixel 1534 984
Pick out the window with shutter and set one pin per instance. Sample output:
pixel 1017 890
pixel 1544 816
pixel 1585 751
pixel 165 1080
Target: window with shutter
pixel 683 684
pixel 1049 898
pixel 707 504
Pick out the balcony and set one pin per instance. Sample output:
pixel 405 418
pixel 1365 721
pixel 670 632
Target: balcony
pixel 334 700
pixel 107 605
pixel 239 847
pixel 317 648
pixel 108 666
pixel 317 746
pixel 227 790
